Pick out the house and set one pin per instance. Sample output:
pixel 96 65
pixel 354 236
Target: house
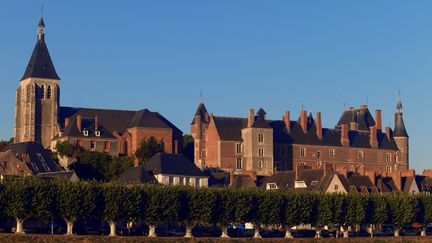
pixel 136 175
pixel 175 169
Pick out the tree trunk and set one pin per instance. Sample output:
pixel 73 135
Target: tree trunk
pixel 152 231
pixel 19 226
pixel 345 232
pixel 318 233
pixel 257 234
pixel 396 232
pixel 224 232
pixel 112 228
pixel 423 231
pixel 69 225
pixel 288 234
pixel 188 231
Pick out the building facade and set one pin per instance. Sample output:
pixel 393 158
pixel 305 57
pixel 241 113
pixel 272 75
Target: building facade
pixel 40 117
pixel 257 146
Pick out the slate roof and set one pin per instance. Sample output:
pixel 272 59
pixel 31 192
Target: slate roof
pixel 229 129
pixel 218 178
pixel 361 116
pixel 406 183
pixel 40 64
pixel 11 165
pixel 112 120
pixel 33 149
pixel 68 175
pixel 312 175
pixel 399 130
pixel 243 182
pixel 386 184
pixel 360 182
pixel 283 180
pixel 136 175
pixel 172 164
pixel 201 111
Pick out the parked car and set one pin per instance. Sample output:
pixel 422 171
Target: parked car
pixel 408 230
pixel 304 234
pixel 387 231
pixel 272 234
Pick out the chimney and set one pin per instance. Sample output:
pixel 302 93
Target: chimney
pixel 96 123
pixel 373 137
pixel 251 117
pixel 388 132
pixel 318 125
pixel 298 171
pixel 353 126
pixel 344 136
pixel 287 120
pixel 79 122
pixel 303 120
pixel 371 175
pixel 397 179
pixel 66 122
pixel 136 162
pixel 232 178
pixel 378 120
pixel 176 146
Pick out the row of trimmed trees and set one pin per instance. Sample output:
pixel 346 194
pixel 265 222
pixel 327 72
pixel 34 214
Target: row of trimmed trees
pixel 30 197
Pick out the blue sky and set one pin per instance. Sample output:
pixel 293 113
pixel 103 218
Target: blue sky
pixel 278 55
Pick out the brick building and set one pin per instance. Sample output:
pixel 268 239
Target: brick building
pixel 39 116
pixel 257 146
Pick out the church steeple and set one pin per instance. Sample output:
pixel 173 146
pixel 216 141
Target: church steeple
pixel 40 64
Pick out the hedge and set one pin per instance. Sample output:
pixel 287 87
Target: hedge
pixel 30 197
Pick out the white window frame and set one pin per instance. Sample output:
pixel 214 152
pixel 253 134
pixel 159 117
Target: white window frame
pixel 303 152
pixel 389 157
pixel 261 152
pixel 238 148
pixel 97 133
pixel 261 137
pixel 239 161
pixel 332 153
pixel 85 133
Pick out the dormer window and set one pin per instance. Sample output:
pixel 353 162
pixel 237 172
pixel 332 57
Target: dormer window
pixel 85 132
pixel 97 133
pixel 314 183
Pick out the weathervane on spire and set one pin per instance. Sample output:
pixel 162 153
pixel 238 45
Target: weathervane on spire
pixel 399 103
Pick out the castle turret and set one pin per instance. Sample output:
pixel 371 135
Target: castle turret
pixel 198 127
pixel 401 137
pixel 38 96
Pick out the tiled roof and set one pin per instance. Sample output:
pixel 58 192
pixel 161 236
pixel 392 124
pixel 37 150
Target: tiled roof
pixel 283 179
pixel 243 182
pixel 361 116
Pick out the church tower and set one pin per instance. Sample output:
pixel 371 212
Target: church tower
pixel 38 96
pixel 401 137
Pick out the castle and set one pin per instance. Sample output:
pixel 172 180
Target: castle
pixel 40 117
pixel 256 146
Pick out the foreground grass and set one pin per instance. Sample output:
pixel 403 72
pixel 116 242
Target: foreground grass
pixel 90 239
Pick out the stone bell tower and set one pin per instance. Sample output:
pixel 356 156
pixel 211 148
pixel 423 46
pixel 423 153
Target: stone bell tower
pixel 38 96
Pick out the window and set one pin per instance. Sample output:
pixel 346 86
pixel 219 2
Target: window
pixel 79 143
pixel 42 92
pixel 360 154
pixel 261 152
pixel 46 167
pixel 302 163
pixel 299 184
pixel 388 169
pixel 85 132
pixel 97 133
pixel 49 92
pixel 318 154
pixel 107 146
pixel 40 157
pixel 302 152
pixel 239 164
pixel 93 145
pixel 180 180
pixel 314 183
pixel 388 157
pixel 261 138
pixel 283 151
pixel 35 167
pixel 271 186
pixel 332 152
pixel 238 148
pixel 170 180
pixel 336 187
pixel 261 164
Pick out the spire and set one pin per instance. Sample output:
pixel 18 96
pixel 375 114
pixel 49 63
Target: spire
pixel 40 64
pixel 399 129
pixel 41 29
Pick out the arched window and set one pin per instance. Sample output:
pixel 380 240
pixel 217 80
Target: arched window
pixel 49 92
pixel 42 92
